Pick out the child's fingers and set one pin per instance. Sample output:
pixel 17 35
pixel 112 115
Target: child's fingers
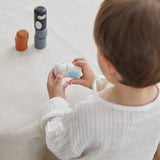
pixel 51 75
pixel 81 63
pixel 65 85
pixel 77 59
pixel 59 78
pixel 76 81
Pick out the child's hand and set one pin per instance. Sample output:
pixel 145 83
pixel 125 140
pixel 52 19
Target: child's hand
pixel 54 85
pixel 88 76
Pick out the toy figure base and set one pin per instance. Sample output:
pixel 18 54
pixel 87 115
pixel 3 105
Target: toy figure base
pixel 39 43
pixel 41 33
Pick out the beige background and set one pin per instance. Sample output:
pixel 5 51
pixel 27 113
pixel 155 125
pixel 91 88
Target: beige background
pixel 23 75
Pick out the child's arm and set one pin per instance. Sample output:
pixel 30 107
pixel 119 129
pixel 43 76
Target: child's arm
pixel 56 119
pixel 56 115
pixel 157 154
pixel 88 76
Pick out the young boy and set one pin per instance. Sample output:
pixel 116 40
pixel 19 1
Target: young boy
pixel 121 120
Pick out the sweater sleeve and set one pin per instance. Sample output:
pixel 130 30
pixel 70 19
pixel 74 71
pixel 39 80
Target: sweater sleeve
pixel 55 121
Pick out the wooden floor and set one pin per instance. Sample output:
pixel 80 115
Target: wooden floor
pixel 157 155
pixel 49 155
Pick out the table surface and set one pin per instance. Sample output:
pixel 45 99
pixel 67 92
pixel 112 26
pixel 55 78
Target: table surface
pixel 23 75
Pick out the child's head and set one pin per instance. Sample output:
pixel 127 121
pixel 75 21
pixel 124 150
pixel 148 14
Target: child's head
pixel 127 34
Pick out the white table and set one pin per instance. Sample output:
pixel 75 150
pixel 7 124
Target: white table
pixel 23 75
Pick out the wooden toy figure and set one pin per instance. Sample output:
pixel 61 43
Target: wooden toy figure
pixel 40 23
pixel 21 40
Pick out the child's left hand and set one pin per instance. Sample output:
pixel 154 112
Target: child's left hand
pixel 54 85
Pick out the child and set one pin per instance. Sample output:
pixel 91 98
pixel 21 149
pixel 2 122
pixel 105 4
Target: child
pixel 121 120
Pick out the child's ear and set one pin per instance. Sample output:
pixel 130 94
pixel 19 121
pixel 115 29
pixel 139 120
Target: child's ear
pixel 108 67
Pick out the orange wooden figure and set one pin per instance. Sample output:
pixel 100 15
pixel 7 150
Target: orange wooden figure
pixel 21 40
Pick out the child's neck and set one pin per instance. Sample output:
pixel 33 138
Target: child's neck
pixel 129 96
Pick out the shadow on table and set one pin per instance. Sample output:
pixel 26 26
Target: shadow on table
pixel 30 50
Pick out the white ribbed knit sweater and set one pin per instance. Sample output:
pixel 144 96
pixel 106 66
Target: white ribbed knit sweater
pixel 99 130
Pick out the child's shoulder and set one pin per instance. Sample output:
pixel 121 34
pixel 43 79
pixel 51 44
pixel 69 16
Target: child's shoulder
pixel 85 109
pixel 89 100
pixel 94 101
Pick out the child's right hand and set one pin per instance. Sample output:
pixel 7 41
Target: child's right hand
pixel 88 76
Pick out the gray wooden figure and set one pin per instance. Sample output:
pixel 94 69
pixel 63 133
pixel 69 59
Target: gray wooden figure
pixel 40 23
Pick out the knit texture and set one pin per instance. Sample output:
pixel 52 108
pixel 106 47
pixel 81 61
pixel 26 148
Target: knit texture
pixel 99 130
